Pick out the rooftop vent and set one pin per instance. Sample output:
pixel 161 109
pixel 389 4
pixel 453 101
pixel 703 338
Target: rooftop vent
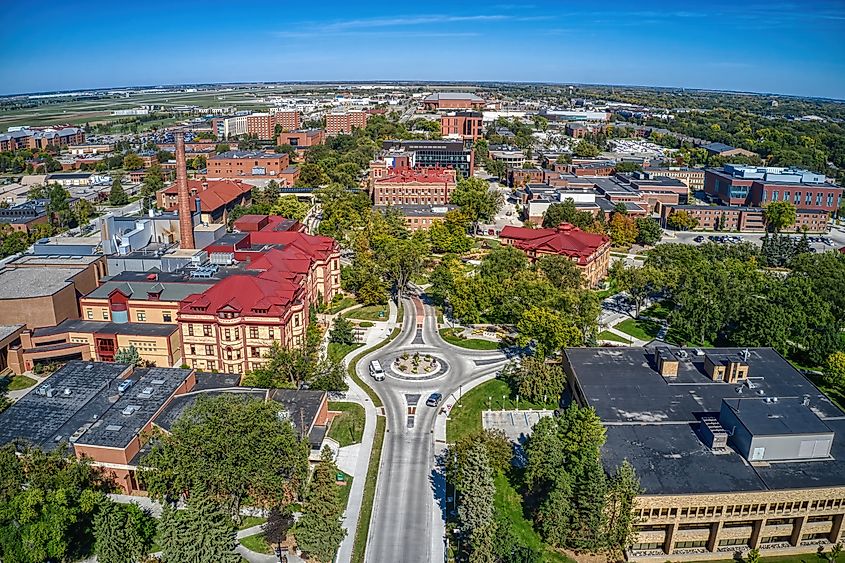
pixel 129 410
pixel 113 428
pixel 713 433
pixel 67 392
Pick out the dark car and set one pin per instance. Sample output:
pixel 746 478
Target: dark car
pixel 699 238
pixel 433 399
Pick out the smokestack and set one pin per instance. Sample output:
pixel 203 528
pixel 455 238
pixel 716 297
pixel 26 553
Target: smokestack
pixel 186 224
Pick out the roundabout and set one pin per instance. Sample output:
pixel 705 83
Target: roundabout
pixel 415 366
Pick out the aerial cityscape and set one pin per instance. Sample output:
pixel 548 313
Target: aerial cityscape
pixel 388 283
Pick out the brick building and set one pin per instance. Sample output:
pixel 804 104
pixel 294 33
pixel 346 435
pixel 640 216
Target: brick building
pixel 464 124
pixel 415 186
pixel 420 216
pixel 39 139
pixel 262 125
pixel 744 219
pixel 252 165
pixel 734 448
pixel 452 100
pixel 446 153
pixel 692 177
pixel 302 138
pixel 757 186
pixel 216 198
pixel 345 122
pixel 589 251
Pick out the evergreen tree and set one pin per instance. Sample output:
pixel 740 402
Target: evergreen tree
pixel 624 486
pixel 123 533
pixel 320 531
pixel 589 490
pixel 117 196
pixel 342 332
pixel 202 533
pixel 555 513
pixel 128 355
pixel 475 509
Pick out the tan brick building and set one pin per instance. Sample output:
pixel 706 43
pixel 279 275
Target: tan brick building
pixel 734 448
pixel 415 186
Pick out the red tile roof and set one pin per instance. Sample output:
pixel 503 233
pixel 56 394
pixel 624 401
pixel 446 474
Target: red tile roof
pixel 422 175
pixel 566 239
pixel 253 295
pixel 213 194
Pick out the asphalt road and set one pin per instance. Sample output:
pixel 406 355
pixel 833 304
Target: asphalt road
pixel 407 523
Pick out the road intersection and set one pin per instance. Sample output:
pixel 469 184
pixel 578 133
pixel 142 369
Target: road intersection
pixel 408 523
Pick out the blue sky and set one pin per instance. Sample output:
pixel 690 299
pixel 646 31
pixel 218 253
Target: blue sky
pixel 789 47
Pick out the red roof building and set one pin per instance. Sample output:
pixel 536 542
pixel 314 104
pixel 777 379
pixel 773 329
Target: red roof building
pixel 216 197
pixel 415 186
pixel 231 326
pixel 589 251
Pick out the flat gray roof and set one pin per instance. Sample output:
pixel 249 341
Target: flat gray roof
pixel 652 421
pixel 139 290
pixel 24 283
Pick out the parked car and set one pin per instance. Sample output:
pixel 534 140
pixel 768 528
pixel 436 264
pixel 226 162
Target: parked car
pixel 433 399
pixel 699 238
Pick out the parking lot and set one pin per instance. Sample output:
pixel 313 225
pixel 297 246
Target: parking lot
pixel 819 243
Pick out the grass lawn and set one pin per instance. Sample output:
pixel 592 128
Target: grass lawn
pixel 347 427
pixel 607 335
pixel 448 334
pixel 19 382
pixel 256 543
pixel 366 512
pixel 250 521
pixel 641 329
pixel 338 351
pixel 611 290
pixel 369 313
pixel 465 417
pixel 659 310
pixel 345 490
pixel 509 503
pixel 340 304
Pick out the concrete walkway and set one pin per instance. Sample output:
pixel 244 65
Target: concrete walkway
pixel 15 395
pixel 362 458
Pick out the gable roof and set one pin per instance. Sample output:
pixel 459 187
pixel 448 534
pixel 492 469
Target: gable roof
pixel 244 294
pixel 566 240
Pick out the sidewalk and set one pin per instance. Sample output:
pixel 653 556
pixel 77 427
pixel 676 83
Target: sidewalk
pixel 362 461
pixel 15 395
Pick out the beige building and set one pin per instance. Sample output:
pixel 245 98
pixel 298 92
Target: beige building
pixel 734 448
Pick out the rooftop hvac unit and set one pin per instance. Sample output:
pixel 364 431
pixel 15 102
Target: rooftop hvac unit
pixel 222 258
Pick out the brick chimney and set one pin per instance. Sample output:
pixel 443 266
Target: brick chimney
pixel 186 224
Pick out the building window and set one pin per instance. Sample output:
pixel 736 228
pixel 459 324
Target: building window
pixel 190 330
pixel 209 350
pixel 166 317
pixel 193 350
pixel 255 352
pixel 142 316
pixel 270 332
pixel 253 332
pixel 228 334
pixel 296 320
pixel 105 315
pixel 210 365
pixel 89 313
pixel 206 330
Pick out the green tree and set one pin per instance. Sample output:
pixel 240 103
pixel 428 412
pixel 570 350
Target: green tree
pixel 47 505
pixel 117 196
pixel 496 444
pixel 476 200
pixel 123 532
pixel 547 330
pixel 84 211
pixel 231 447
pixel 475 509
pixel 311 175
pixel 585 149
pixel 779 215
pixel 560 271
pixel 279 522
pixel 649 232
pixel 834 372
pixel 535 379
pixel 639 282
pixel 320 530
pixel 289 206
pixel 623 488
pixel 681 220
pixel 623 230
pixel 627 167
pixel 132 161
pixel 403 259
pixel 128 355
pixel 342 332
pixel 503 263
pixel 202 533
pixel 221 148
pixel 153 182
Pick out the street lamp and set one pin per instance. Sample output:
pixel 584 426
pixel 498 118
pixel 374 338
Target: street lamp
pixel 503 402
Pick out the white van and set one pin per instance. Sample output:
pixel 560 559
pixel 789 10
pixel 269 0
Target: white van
pixel 375 371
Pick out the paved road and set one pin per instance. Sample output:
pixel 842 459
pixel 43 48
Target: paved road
pixel 407 523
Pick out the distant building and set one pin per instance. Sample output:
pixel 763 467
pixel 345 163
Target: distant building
pixel 415 186
pixel 692 177
pixel 346 121
pixel 452 100
pixel 721 149
pixel 446 153
pixel 24 216
pixel 734 449
pixel 252 165
pixel 260 125
pixel 420 216
pixel 463 124
pixel 215 198
pixel 511 156
pixel 40 138
pixel 589 251
pixel 756 186
pixel 744 219
pixel 302 138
